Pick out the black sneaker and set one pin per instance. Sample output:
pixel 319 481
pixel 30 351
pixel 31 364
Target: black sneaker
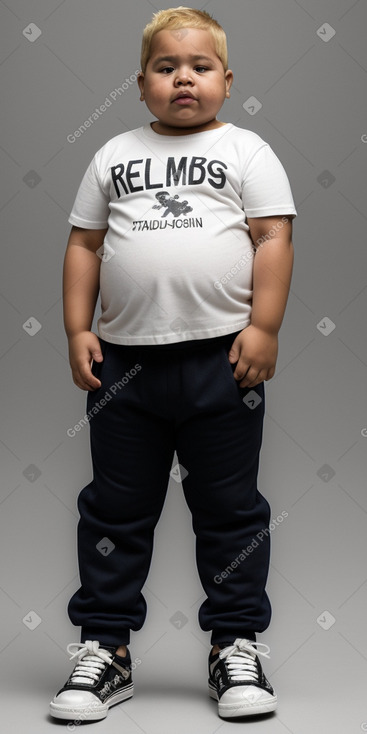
pixel 99 680
pixel 237 682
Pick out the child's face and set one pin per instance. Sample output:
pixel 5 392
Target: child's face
pixel 184 62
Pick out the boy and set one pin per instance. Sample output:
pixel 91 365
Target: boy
pixel 193 217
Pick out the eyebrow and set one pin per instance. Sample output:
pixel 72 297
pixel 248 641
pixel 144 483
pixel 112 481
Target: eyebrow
pixel 196 57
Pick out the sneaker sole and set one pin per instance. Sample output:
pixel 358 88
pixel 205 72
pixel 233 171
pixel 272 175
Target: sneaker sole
pixel 90 712
pixel 231 710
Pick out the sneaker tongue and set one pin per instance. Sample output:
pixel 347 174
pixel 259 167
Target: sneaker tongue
pixel 111 649
pixel 222 645
pixel 119 658
pixel 126 659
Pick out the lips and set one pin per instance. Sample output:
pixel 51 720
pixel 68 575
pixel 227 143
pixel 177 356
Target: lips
pixel 184 98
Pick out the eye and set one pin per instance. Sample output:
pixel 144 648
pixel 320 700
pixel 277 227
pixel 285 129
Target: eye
pixel 200 69
pixel 166 70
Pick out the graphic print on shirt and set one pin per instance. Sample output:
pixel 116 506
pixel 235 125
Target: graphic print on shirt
pixel 192 171
pixel 171 205
pixel 183 172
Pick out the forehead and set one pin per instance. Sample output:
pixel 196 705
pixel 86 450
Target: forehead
pixel 183 42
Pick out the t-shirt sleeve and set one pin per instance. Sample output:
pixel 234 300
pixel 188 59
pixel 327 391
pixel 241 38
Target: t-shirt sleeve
pixel 91 206
pixel 266 189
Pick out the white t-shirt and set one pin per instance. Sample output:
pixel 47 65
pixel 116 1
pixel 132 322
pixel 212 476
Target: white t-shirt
pixel 177 258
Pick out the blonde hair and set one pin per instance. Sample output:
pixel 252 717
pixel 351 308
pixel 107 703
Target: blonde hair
pixel 182 17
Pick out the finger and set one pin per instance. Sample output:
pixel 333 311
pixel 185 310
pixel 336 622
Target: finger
pixel 82 384
pixel 97 355
pixel 241 370
pixel 86 386
pixel 86 380
pixel 234 352
pixel 263 375
pixel 251 378
pixel 255 382
pixel 93 383
pixel 233 356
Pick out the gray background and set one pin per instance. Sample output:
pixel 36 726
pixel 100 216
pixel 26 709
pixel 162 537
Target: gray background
pixel 312 88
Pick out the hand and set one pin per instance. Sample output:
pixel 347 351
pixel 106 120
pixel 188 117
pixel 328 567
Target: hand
pixel 255 352
pixel 83 348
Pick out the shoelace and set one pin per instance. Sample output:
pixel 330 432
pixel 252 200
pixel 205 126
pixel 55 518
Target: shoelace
pixel 92 661
pixel 241 659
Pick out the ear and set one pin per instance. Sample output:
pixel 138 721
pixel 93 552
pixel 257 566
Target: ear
pixel 140 80
pixel 228 80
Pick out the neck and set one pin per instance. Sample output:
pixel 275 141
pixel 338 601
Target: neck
pixel 157 127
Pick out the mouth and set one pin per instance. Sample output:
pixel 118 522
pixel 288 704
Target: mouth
pixel 184 98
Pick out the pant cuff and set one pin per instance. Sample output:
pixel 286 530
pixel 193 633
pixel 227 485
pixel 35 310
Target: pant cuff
pixel 219 638
pixel 105 637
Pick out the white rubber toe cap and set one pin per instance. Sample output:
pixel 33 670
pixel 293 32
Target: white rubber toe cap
pixel 80 705
pixel 249 694
pixel 248 700
pixel 76 698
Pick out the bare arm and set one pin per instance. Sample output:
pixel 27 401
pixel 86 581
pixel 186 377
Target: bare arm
pixel 80 293
pixel 255 349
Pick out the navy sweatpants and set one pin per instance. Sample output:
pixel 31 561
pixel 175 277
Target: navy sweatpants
pixel 155 400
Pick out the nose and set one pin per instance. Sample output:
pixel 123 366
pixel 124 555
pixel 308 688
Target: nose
pixel 183 76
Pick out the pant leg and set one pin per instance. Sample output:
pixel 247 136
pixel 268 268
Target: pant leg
pixel 218 443
pixel 132 452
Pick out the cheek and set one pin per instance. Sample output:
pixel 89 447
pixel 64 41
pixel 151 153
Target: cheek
pixel 213 96
pixel 213 91
pixel 156 91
